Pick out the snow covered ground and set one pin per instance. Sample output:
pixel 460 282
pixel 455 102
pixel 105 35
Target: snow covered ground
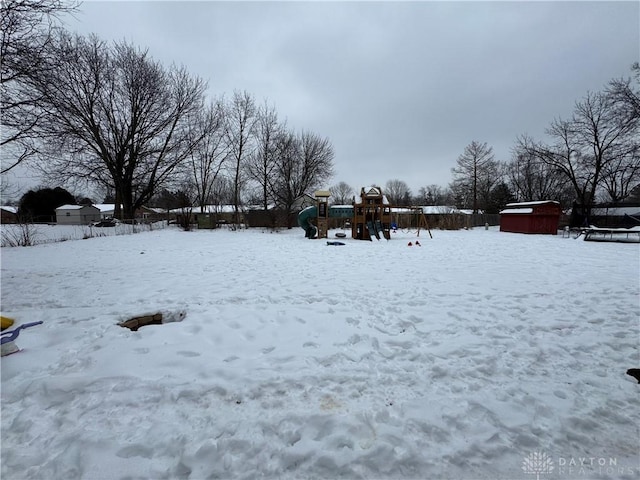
pixel 477 355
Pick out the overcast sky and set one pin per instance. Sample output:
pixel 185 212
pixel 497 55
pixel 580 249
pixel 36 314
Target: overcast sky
pixel 398 88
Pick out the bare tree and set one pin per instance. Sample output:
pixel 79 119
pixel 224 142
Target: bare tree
pixel 283 182
pixel 622 173
pixel 597 147
pixel 9 191
pixel 262 162
pixel 240 116
pixel 598 150
pixel 624 94
pixel 209 154
pixel 431 195
pixel 120 119
pixel 316 160
pixel 185 198
pixel 222 191
pixel 26 28
pixel 304 162
pixel 342 193
pixel 397 192
pixel 532 179
pixel 603 134
pixel 475 175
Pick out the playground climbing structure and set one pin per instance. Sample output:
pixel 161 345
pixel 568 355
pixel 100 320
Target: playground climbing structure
pixel 371 216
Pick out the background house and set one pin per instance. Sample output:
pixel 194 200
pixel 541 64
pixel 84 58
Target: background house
pixel 611 215
pixel 106 209
pixel 8 214
pixel 303 201
pixel 77 214
pixel 143 214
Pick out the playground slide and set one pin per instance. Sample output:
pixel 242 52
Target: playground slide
pixel 380 229
pixel 372 230
pixel 304 221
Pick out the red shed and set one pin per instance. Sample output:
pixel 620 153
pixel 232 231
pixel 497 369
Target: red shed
pixel 531 217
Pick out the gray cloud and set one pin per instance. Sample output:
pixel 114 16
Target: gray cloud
pixel 400 88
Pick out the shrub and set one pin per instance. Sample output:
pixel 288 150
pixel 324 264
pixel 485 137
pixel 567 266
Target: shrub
pixel 21 234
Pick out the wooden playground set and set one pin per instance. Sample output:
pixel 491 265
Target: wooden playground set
pixel 371 217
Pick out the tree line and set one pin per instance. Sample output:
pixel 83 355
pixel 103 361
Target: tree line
pixel 594 156
pixel 103 115
pixel 107 115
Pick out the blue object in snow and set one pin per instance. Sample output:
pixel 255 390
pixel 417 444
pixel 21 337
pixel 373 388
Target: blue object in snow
pixel 13 334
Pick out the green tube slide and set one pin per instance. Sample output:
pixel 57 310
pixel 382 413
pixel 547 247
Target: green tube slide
pixel 304 221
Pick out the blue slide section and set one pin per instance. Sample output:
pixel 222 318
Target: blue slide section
pixel 304 221
pixel 372 230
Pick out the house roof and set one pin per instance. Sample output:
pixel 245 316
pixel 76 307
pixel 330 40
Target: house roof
pixel 105 207
pixel 74 207
pixel 305 195
pixel 9 208
pixel 154 210
pixel 620 211
pixel 215 209
pixel 439 209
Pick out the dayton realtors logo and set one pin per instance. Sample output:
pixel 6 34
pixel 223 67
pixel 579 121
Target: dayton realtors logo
pixel 537 463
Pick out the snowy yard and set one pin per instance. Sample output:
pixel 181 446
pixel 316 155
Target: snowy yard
pixel 463 358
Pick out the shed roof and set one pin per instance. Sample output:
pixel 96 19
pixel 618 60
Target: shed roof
pixel 516 210
pixel 70 207
pixel 75 207
pixel 530 204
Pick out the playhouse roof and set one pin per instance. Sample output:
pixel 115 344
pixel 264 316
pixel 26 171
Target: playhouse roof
pixel 372 192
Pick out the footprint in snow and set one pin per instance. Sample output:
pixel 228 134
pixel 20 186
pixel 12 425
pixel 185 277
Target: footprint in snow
pixel 185 353
pixel 135 451
pixel 560 394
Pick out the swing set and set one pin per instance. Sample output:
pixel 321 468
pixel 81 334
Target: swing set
pixel 418 220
